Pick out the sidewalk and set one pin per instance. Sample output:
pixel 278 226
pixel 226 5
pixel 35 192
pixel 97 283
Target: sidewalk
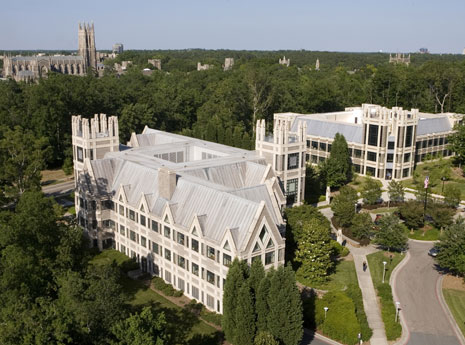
pixel 370 301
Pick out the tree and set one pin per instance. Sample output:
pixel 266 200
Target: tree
pixel 452 195
pixel 337 168
pixel 343 206
pixel 245 316
pixel 396 191
pixel 391 233
pixel 442 215
pixel 411 213
pixel 451 247
pixel 362 226
pixel 457 142
pixel 285 315
pixel 265 338
pixel 314 252
pixel 371 191
pixel 261 303
pixel 146 327
pixel 257 273
pixel 22 157
pixel 237 275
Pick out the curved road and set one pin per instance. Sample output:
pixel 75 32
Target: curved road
pixel 415 286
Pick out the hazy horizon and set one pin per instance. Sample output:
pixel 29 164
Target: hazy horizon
pixel 334 25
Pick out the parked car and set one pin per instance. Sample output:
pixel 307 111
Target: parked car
pixel 433 252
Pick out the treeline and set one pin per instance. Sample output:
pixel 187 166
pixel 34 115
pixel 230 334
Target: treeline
pixel 223 106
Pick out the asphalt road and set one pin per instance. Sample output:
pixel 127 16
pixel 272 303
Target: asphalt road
pixel 59 188
pixel 415 286
pixel 309 339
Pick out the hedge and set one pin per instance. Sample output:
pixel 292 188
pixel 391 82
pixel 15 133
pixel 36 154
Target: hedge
pixel 388 312
pixel 167 289
pixel 354 292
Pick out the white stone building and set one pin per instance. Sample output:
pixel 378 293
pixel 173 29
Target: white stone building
pixel 183 207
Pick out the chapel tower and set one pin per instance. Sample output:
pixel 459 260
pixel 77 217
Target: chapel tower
pixel 86 47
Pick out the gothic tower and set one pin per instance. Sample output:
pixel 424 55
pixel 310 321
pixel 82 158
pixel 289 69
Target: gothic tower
pixel 86 47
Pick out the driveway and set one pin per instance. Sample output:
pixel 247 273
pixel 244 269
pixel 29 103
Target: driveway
pixel 415 286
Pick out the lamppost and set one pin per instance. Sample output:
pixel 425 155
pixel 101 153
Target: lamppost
pixel 360 338
pixel 397 310
pixel 443 179
pixel 326 310
pixel 384 269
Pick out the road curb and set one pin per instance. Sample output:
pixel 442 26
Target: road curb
pixel 421 241
pixel 323 338
pixel 392 281
pixel 446 309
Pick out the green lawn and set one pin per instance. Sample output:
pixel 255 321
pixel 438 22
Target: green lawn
pixel 384 210
pixel 384 291
pixel 359 181
pixel 456 301
pixel 343 276
pixel 107 256
pixel 429 235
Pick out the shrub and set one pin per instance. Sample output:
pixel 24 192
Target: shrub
pixel 129 265
pixel 441 215
pixel 339 250
pixel 354 292
pixel 412 214
pixel 167 289
pixel 452 196
pixel 341 322
pixel 211 316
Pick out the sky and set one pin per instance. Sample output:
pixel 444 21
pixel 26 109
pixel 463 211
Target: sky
pixel 332 25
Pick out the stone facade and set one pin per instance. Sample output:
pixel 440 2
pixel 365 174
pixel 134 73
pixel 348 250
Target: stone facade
pixel 399 58
pixel 205 67
pixel 284 61
pixel 228 64
pixel 155 63
pixel 27 68
pixel 184 208
pixel 118 48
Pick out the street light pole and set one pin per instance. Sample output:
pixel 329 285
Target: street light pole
pixel 443 179
pixel 326 310
pixel 397 310
pixel 384 269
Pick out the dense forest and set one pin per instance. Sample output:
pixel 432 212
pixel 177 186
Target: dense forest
pixel 223 106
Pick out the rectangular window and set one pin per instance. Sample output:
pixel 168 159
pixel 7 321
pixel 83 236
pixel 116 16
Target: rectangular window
pixel 390 145
pixel 181 262
pixel 121 210
pixel 167 232
pixel 441 141
pixel 430 142
pixel 409 136
pixel 291 186
pixel 357 153
pixel 107 205
pixel 314 159
pixel 405 172
pixel 435 142
pixel 371 171
pixel 121 230
pixel 80 156
pixel 210 277
pixel 132 215
pixel 195 292
pixel 329 147
pixel 390 158
pixel 293 161
pixel 373 135
pixel 143 220
pixel 210 301
pixel 308 143
pixel 323 147
pixel 226 260
pixel 123 249
pixel 406 157
pixel 424 144
pixel 143 241
pixel 154 226
pixel 211 252
pixel 155 248
pixel 281 254
pixel 315 145
pixel 167 254
pixel 180 238
pixel 195 269
pixel 132 235
pixel 371 156
pixel 195 245
pixel 357 168
pixel 269 258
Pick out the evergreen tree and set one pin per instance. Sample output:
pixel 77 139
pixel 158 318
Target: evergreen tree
pixel 314 251
pixel 396 191
pixel 237 137
pixel 285 317
pixel 228 137
pixel 245 316
pixel 338 167
pixel 236 277
pixel 452 195
pixel 265 338
pixel 261 302
pixel 451 247
pixel 371 191
pixel 362 226
pixel 257 273
pixel 411 213
pixel 343 205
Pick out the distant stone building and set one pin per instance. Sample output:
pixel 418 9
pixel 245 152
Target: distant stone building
pixel 228 64
pixel 28 68
pixel 284 61
pixel 399 59
pixel 317 65
pixel 118 48
pixel 201 67
pixel 122 67
pixel 424 51
pixel 155 63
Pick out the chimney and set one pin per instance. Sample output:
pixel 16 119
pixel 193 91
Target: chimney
pixel 166 183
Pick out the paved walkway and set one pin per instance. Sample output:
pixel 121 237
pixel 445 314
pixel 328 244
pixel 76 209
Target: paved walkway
pixel 370 301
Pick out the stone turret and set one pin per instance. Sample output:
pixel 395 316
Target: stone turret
pixel 86 46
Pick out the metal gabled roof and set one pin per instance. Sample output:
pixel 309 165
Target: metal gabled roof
pixel 352 132
pixel 433 125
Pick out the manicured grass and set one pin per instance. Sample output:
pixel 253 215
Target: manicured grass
pixel 343 276
pixel 107 256
pixel 375 262
pixel 359 181
pixel 456 301
pixel 429 235
pixel 388 308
